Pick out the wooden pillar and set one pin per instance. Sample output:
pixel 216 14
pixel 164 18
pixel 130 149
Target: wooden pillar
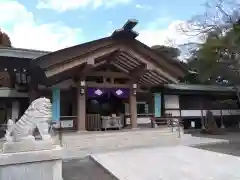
pixel 33 91
pixel 33 94
pixel 133 109
pixel 81 109
pixel 15 110
pixel 222 124
pixel 202 118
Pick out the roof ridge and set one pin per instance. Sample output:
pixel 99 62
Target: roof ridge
pixel 23 49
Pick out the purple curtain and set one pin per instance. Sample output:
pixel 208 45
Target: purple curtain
pixel 119 92
pixel 96 92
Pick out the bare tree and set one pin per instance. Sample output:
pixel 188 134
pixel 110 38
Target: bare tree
pixel 4 39
pixel 219 15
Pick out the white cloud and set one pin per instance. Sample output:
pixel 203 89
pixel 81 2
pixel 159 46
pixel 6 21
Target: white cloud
pixel 24 32
pixel 155 36
pixel 140 6
pixel 64 5
pixel 171 36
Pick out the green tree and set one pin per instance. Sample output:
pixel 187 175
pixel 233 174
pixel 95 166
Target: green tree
pixel 217 59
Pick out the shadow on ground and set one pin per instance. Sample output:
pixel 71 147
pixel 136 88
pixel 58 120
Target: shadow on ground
pixel 231 148
pixel 84 169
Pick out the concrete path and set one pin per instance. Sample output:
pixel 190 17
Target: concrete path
pixel 82 144
pixel 79 145
pixel 170 163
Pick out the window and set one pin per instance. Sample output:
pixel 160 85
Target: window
pixel 190 102
pixel 142 108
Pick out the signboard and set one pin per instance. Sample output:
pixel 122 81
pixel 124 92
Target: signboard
pixel 56 104
pixel 157 104
pixel 67 124
pixel 193 124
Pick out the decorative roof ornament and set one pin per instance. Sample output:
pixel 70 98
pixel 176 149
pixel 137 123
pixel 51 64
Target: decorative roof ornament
pixel 127 30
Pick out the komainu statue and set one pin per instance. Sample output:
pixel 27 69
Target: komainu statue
pixel 38 115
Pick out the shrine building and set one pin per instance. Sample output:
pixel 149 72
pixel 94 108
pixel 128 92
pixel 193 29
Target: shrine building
pixel 113 82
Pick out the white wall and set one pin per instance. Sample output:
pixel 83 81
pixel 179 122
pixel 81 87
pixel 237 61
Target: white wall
pixel 171 101
pixel 140 120
pixel 198 113
pixel 173 112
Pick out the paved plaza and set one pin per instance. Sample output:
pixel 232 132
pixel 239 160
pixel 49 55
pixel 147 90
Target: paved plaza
pixel 170 163
pixel 79 145
pixel 152 146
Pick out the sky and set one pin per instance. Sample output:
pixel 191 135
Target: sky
pixel 55 24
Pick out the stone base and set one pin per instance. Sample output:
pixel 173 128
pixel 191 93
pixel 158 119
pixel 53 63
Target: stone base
pixel 27 145
pixel 37 165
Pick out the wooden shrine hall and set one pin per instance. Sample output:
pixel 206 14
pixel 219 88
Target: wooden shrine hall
pixel 108 78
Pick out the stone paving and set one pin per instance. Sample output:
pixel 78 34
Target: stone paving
pixel 78 146
pixel 170 163
pixel 82 144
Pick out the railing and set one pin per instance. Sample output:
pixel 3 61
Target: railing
pixel 171 122
pixel 93 122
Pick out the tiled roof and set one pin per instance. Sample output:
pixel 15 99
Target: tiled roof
pixel 21 53
pixel 200 87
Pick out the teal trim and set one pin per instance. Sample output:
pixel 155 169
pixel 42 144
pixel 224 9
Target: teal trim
pixel 56 104
pixel 157 104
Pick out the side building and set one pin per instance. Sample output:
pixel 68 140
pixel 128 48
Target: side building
pixel 191 102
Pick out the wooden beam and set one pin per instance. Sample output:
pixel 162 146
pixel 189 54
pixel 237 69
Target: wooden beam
pixel 152 77
pixel 172 66
pixel 131 60
pixel 152 64
pixel 112 57
pixel 157 76
pixel 139 71
pixel 120 67
pixel 107 85
pixel 87 68
pixel 108 74
pixel 59 68
pixel 106 59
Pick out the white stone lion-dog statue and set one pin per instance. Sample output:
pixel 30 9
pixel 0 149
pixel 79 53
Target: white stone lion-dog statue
pixel 38 115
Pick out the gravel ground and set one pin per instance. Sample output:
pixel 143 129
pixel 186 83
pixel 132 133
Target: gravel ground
pixel 84 169
pixel 232 148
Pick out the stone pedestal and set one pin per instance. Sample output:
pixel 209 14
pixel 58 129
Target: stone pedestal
pixel 32 163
